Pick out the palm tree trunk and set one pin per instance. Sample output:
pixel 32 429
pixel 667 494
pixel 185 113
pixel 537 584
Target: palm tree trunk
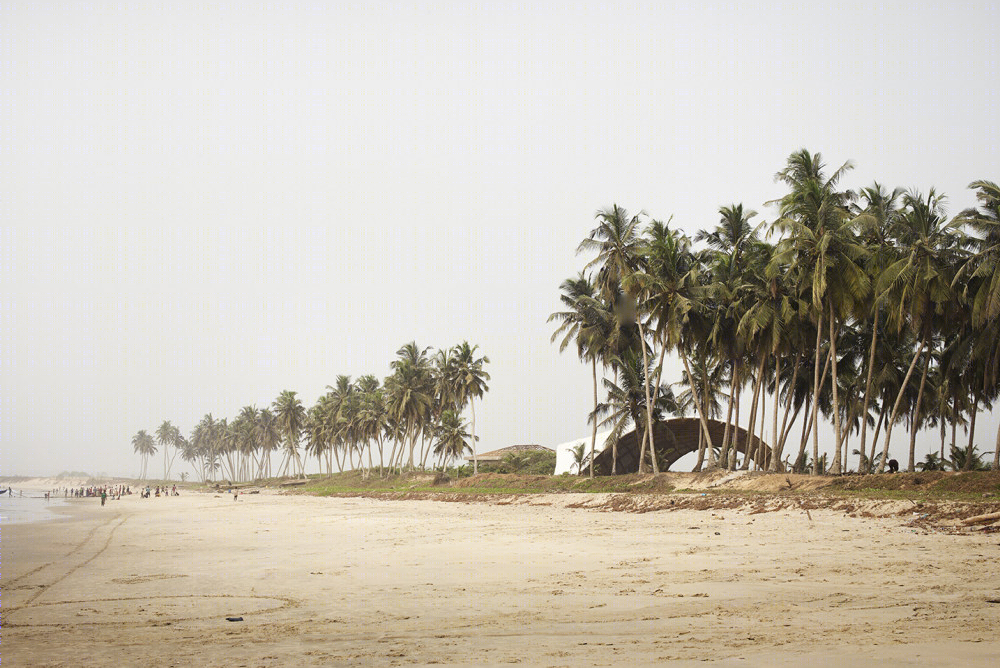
pixel 724 455
pixel 475 457
pixel 759 454
pixel 736 430
pixel 815 404
pixel 868 387
pixel 838 434
pixel 785 425
pixel 878 428
pixel 972 434
pixel 954 427
pixel 806 424
pixel 701 450
pixel 899 400
pixel 996 451
pixel 774 415
pixel 698 406
pixel 750 445
pixel 614 454
pixel 911 466
pixel 593 435
pixel 649 400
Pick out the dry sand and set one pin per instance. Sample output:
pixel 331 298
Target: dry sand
pixel 338 581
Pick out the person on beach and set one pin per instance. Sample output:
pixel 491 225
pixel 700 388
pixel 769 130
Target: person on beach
pixel 104 497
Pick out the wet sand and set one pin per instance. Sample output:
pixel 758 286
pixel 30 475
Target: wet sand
pixel 335 581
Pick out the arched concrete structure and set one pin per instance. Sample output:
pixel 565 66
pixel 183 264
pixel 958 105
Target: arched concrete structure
pixel 674 439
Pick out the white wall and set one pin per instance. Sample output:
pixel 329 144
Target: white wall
pixel 564 456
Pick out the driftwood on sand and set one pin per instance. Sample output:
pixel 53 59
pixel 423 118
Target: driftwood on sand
pixel 988 518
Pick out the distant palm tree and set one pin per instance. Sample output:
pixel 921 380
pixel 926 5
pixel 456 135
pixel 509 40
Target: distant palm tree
pixel 142 444
pixel 268 436
pixel 291 417
pixel 961 461
pixel 451 439
pixel 471 378
pixel 167 435
pixel 580 457
pixel 931 463
pixel 411 396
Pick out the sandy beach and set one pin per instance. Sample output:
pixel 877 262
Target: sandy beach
pixel 530 580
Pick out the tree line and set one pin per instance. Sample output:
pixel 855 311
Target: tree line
pixel 871 308
pixel 413 414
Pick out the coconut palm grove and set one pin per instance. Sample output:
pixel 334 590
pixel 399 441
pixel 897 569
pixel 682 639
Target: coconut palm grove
pixel 871 309
pixel 413 415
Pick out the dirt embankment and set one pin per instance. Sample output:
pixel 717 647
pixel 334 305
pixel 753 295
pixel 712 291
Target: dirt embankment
pixel 934 500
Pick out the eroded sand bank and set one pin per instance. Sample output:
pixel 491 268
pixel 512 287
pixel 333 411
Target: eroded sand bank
pixel 328 581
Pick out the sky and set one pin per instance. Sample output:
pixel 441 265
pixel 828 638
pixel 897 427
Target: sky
pixel 204 206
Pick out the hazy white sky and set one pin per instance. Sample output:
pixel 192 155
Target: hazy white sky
pixel 202 207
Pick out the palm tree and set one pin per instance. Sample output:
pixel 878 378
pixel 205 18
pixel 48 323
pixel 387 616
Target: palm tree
pixel 917 286
pixel 471 378
pixel 587 322
pixel 268 436
pixel 876 215
pixel 291 417
pixel 142 444
pixel 411 394
pixel 167 435
pixel 966 460
pixel 626 402
pixel 931 463
pixel 451 438
pixel 618 244
pixel 580 457
pixel 671 283
pixel 823 258
pixel 982 275
pixel 373 416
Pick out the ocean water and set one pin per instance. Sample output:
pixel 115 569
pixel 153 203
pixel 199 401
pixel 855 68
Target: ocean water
pixel 32 507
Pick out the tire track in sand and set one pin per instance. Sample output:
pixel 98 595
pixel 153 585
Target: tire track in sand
pixel 44 588
pixel 72 551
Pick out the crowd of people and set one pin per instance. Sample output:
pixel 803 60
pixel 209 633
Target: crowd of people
pixel 158 491
pixel 105 492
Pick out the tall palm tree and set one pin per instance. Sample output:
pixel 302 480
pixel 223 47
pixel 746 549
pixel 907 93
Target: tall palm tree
pixel 411 394
pixel 875 214
pixel 671 285
pixel 618 245
pixel 291 417
pixel 823 257
pixel 587 323
pixel 471 384
pixel 268 436
pixel 981 274
pixel 142 444
pixel 166 435
pixel 917 287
